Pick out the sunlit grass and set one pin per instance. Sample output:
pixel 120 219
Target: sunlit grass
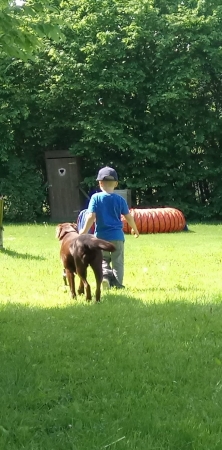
pixel 160 267
pixel 140 371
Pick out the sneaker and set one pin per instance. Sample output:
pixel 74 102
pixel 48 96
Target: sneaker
pixel 115 283
pixel 119 286
pixel 105 284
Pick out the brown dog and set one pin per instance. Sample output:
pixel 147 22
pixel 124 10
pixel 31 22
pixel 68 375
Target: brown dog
pixel 77 253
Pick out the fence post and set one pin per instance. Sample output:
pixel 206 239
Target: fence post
pixel 1 223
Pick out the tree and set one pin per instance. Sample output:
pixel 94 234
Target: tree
pixel 23 27
pixel 136 85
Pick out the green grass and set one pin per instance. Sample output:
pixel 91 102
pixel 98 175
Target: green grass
pixel 140 371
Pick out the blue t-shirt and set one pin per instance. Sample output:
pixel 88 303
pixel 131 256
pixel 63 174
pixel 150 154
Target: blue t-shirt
pixel 108 209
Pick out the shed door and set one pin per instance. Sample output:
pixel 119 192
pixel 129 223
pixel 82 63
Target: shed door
pixel 63 188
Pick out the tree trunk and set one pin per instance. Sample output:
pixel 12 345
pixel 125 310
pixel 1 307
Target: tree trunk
pixel 1 238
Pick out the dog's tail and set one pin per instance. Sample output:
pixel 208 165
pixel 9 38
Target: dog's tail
pixel 102 244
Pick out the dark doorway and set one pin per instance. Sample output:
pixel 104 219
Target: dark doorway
pixel 63 172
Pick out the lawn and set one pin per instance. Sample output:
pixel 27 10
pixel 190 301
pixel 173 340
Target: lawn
pixel 142 370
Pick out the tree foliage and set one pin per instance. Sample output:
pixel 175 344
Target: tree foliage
pixel 136 84
pixel 23 27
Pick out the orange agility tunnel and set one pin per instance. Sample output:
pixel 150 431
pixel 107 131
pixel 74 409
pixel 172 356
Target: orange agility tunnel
pixel 156 220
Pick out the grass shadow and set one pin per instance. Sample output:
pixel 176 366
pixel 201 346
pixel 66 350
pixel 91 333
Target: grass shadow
pixel 137 376
pixel 19 255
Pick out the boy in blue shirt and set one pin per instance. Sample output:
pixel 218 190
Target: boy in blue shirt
pixel 106 208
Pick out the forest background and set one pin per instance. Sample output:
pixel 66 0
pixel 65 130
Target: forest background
pixel 136 84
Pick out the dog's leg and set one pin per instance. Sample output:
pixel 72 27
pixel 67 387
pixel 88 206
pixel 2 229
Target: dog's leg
pixel 71 281
pixel 81 287
pixel 64 277
pixel 87 289
pixel 97 269
pixel 81 271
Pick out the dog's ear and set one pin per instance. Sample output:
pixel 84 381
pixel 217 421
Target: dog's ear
pixel 58 230
pixel 64 228
pixel 74 225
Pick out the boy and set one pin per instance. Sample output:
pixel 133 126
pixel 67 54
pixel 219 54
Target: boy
pixel 106 208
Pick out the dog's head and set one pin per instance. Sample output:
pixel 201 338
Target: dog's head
pixel 63 228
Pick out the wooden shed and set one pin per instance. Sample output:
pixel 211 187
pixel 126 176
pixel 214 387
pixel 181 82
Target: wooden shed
pixel 63 173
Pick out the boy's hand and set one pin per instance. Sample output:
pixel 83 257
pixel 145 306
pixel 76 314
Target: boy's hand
pixel 81 231
pixel 131 223
pixel 136 235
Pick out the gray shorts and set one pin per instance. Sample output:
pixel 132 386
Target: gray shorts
pixel 113 263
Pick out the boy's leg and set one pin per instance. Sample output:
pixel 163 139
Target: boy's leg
pixel 107 271
pixel 117 259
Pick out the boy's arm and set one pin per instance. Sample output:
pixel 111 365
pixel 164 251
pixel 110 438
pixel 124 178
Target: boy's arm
pixel 89 222
pixel 131 222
